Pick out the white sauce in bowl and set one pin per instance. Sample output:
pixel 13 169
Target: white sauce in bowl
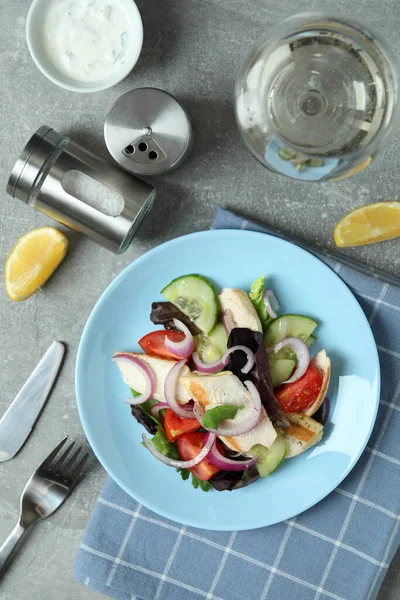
pixel 86 40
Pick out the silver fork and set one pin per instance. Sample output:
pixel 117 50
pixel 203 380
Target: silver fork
pixel 45 491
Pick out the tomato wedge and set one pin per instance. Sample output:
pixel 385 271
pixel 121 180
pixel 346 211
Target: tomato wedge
pixel 299 395
pixel 154 343
pixel 175 425
pixel 189 446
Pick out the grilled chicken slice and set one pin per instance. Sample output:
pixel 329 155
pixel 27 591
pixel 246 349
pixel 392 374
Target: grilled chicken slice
pixel 240 309
pixel 303 433
pixel 263 433
pixel 218 389
pixel 159 367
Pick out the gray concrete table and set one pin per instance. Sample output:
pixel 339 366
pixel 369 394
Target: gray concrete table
pixel 192 49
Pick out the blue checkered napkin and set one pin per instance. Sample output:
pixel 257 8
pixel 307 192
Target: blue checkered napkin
pixel 340 549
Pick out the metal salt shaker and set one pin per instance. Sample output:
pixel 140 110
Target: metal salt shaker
pixel 46 177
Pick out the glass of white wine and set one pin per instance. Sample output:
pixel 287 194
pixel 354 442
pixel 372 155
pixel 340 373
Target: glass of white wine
pixel 317 98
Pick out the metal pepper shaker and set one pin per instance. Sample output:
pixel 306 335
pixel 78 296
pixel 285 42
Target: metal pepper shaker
pixel 148 132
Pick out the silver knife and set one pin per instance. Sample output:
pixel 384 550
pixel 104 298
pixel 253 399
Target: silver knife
pixel 20 418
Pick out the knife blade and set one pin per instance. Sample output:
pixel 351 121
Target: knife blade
pixel 20 418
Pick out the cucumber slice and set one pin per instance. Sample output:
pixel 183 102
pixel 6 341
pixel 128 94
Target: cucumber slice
pixel 285 353
pixel 219 338
pixel 211 347
pixel 283 362
pixel 288 352
pixel 286 154
pixel 289 326
pixel 281 370
pixel 310 340
pixel 195 296
pixel 269 459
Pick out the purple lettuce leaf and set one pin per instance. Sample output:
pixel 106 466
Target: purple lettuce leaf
pixel 260 374
pixel 163 313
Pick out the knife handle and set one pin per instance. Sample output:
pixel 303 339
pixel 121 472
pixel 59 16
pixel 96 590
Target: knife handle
pixel 9 545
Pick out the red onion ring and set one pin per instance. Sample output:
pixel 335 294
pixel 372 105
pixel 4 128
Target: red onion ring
pixel 233 429
pixel 227 464
pixel 250 357
pixel 185 347
pixel 220 364
pixel 302 355
pixel 271 303
pixel 180 464
pixel 147 374
pixel 155 409
pixel 203 367
pixel 169 391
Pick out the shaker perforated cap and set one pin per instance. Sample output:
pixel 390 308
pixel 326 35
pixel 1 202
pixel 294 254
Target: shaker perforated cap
pixel 148 132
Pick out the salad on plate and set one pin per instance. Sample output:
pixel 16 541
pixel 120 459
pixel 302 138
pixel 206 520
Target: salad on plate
pixel 227 388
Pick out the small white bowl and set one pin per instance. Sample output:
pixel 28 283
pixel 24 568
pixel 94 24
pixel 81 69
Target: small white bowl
pixel 34 41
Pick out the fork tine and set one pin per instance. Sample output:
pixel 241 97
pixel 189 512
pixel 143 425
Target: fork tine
pixel 47 461
pixel 56 468
pixel 78 469
pixel 66 470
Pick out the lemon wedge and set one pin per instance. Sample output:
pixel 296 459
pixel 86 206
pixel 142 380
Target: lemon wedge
pixel 33 260
pixel 369 224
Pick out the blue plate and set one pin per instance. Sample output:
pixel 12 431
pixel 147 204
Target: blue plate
pixel 304 285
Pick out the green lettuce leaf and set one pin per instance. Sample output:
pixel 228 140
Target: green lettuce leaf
pixel 170 449
pixel 203 485
pixel 196 483
pixel 160 441
pixel 147 406
pixel 257 300
pixel 184 473
pixel 214 416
